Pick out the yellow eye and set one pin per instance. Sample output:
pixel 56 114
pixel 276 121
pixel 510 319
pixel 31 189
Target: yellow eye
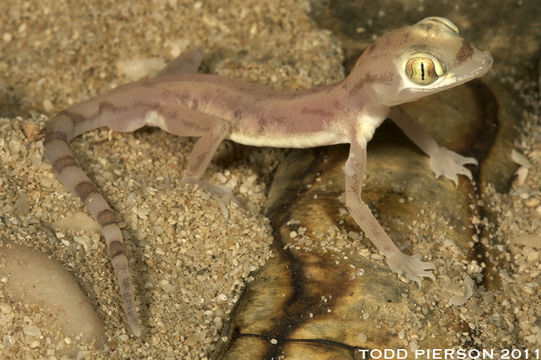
pixel 423 70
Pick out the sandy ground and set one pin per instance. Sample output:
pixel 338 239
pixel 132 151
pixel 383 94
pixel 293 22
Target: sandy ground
pixel 190 264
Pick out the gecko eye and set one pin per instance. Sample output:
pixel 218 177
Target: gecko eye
pixel 423 69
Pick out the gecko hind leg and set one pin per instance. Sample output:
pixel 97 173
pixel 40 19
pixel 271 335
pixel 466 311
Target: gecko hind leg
pixel 198 161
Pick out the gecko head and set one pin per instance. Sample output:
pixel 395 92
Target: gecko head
pixel 415 61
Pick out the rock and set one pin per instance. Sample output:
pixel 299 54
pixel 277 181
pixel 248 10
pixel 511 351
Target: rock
pixel 32 278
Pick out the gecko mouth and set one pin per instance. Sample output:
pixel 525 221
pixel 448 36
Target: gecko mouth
pixel 481 66
pixel 478 66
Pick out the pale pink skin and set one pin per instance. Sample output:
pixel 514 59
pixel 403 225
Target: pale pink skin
pixel 215 108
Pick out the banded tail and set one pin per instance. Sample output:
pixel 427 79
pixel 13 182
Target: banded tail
pixel 62 128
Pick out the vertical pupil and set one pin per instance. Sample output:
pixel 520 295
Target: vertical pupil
pixel 422 71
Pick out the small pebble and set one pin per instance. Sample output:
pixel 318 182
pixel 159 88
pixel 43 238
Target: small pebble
pixel 8 341
pixel 218 322
pixel 531 202
pixel 533 257
pixel 48 105
pixel 123 337
pixel 5 308
pixel 33 331
pixel 166 286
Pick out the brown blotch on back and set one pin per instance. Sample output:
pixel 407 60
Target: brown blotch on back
pixel 369 78
pixel 281 119
pixel 316 112
pixel 116 248
pixel 184 99
pixel 63 162
pixel 84 189
pixel 237 115
pixel 106 217
pixel 464 53
pixel 147 83
pixel 261 120
pixel 338 105
pixel 107 106
pixel 74 117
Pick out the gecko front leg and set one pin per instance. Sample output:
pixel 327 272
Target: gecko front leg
pixel 442 160
pixel 411 266
pixel 187 62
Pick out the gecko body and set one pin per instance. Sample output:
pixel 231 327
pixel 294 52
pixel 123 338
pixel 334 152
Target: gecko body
pixel 401 66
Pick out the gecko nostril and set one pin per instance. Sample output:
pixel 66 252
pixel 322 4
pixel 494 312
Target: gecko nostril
pixel 487 58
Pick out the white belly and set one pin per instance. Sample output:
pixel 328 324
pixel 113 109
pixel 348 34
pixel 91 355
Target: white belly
pixel 291 141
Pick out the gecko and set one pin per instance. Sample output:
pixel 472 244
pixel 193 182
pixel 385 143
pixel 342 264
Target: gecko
pixel 401 66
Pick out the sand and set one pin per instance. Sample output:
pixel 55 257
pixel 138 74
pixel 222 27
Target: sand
pixel 190 264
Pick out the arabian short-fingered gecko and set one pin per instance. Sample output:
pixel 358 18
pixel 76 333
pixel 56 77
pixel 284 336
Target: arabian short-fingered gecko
pixel 401 66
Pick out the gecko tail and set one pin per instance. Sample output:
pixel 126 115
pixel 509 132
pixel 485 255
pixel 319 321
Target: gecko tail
pixel 60 131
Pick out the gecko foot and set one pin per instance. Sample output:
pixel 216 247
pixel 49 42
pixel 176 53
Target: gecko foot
pixel 450 164
pixel 411 266
pixel 223 194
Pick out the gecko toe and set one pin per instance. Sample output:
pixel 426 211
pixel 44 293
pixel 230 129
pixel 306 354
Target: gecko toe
pixel 470 161
pixel 450 164
pixel 223 195
pixel 411 266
